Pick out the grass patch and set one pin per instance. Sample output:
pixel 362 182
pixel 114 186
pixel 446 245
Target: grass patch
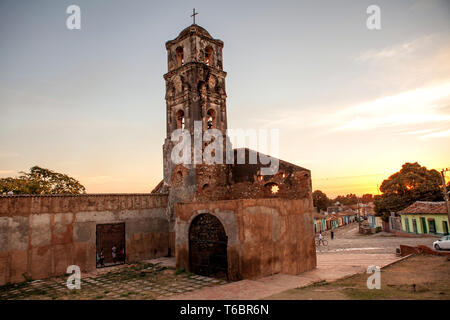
pixel 180 271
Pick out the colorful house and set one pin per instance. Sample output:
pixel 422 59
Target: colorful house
pixel 319 223
pixel 334 221
pixel 347 217
pixel 374 221
pixel 425 217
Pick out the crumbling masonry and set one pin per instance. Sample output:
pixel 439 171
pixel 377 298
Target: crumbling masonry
pixel 226 220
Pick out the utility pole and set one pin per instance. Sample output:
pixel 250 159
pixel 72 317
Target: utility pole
pixel 446 192
pixel 358 215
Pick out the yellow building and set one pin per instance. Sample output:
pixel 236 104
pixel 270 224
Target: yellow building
pixel 425 217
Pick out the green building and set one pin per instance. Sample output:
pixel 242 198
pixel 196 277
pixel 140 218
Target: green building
pixel 425 217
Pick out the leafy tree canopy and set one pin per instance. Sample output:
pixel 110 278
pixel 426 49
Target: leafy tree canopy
pixel 41 181
pixel 412 183
pixel 320 200
pixel 346 200
pixel 367 198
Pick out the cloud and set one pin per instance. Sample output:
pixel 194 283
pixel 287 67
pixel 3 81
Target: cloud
pixel 409 112
pixel 414 107
pixel 407 65
pixel 401 50
pixel 436 134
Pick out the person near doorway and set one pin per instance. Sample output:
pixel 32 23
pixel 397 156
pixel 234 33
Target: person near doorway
pixel 114 253
pixel 122 254
pixel 101 258
pixel 332 234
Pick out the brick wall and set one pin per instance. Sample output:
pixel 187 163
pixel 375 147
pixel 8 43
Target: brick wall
pixel 41 235
pixel 265 236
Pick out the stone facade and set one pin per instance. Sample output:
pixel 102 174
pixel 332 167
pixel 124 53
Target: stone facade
pixel 265 236
pixel 42 235
pixel 267 219
pixel 253 224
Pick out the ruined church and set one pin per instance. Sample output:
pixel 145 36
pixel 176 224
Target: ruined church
pixel 222 219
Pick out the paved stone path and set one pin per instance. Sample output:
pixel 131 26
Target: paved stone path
pixel 348 239
pixel 329 267
pixel 139 281
pixel 347 254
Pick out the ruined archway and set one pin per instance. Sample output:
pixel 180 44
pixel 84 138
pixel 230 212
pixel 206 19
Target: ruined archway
pixel 208 246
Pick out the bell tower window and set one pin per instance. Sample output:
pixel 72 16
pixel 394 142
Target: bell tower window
pixel 211 118
pixel 180 119
pixel 180 56
pixel 208 56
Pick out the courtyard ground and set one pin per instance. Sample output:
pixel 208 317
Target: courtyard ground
pixel 347 255
pixel 418 277
pixel 146 280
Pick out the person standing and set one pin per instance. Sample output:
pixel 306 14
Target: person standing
pixel 101 258
pixel 114 253
pixel 122 254
pixel 332 234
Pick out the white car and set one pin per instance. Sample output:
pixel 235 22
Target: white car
pixel 442 243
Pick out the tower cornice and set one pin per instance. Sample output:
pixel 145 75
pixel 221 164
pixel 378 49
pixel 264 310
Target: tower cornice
pixel 189 65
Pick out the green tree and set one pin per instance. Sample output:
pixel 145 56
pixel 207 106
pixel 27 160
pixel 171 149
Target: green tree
pixel 367 198
pixel 320 200
pixel 41 181
pixel 412 183
pixel 347 200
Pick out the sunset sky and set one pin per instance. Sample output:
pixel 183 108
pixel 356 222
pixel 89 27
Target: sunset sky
pixel 352 104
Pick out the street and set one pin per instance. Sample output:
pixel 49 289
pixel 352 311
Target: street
pixel 348 240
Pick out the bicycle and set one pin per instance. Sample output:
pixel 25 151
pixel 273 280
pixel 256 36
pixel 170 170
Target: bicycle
pixel 324 242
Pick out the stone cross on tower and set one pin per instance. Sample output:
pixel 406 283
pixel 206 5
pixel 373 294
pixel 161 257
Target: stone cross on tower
pixel 194 14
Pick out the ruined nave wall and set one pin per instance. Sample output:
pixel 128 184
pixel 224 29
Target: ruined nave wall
pixel 40 236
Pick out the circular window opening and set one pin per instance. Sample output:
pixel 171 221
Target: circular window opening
pixel 272 188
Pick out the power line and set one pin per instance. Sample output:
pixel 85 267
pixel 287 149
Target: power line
pixel 359 176
pixel 347 177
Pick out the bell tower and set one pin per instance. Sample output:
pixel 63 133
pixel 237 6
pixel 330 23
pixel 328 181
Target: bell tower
pixel 195 91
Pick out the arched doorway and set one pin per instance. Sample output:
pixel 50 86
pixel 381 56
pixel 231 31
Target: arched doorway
pixel 208 246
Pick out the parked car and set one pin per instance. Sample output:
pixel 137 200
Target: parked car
pixel 442 243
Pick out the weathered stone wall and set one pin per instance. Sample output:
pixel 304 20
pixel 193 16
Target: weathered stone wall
pixel 40 236
pixel 265 236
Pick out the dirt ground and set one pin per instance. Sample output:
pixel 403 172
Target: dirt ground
pixel 418 277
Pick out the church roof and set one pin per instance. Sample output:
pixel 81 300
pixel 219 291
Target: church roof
pixel 247 171
pixel 193 29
